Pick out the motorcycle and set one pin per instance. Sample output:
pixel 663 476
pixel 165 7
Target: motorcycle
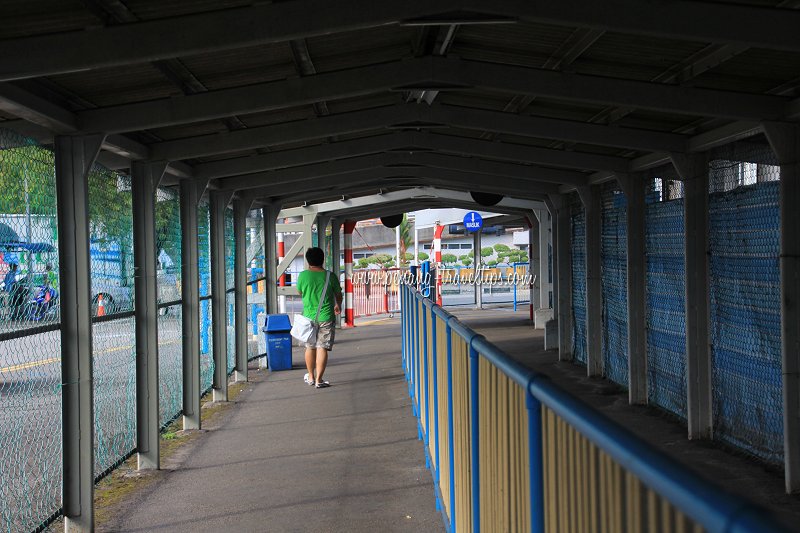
pixel 43 302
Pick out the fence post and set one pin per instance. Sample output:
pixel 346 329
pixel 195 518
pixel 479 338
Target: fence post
pixel 240 208
pixel 785 141
pixel 219 203
pixel 535 460
pixel 190 305
pixel 74 157
pixel 425 383
pixel 349 318
pixel 450 438
pixel 435 402
pixel 145 178
pixel 693 170
pixel 475 441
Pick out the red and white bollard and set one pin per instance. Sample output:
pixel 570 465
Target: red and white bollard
pixel 437 258
pixel 349 318
pixel 282 279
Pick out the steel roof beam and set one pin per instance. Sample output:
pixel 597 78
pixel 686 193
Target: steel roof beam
pixel 411 115
pixel 411 142
pixel 433 72
pixel 401 163
pixel 138 42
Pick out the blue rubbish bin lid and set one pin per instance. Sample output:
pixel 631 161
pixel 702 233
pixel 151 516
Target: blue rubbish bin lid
pixel 277 324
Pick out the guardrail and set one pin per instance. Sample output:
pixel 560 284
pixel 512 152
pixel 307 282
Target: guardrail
pixel 511 451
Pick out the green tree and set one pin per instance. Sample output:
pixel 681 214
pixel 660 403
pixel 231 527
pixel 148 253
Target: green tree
pixel 423 256
pixel 449 259
pixel 362 263
pixel 466 260
pixel 382 259
pixel 406 238
pixel 491 262
pixel 499 247
pixel 487 251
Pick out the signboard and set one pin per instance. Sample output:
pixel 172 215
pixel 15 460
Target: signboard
pixel 473 221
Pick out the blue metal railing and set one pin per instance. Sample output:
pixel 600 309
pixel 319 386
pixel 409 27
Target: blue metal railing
pixel 523 437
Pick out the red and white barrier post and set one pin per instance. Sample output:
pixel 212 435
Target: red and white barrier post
pixel 437 258
pixel 349 318
pixel 282 279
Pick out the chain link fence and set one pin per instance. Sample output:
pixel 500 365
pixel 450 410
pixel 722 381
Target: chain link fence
pixel 256 286
pixel 230 297
pixel 170 322
pixel 665 278
pixel 614 279
pixel 745 327
pixel 578 250
pixel 30 371
pixel 204 270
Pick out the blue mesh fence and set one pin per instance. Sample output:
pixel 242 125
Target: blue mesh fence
pixel 113 341
pixel 170 326
pixel 30 371
pixel 230 252
pixel 744 241
pixel 204 268
pixel 256 300
pixel 578 249
pixel 613 253
pixel 665 313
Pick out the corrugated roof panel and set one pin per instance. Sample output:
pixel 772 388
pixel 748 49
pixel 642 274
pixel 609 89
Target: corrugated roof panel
pixel 27 18
pixel 189 130
pixel 155 9
pixel 357 48
pixel 290 114
pixel 346 105
pixel 653 120
pixel 119 85
pixel 243 66
pixel 633 56
pixel 754 70
pixel 527 44
pixel 476 99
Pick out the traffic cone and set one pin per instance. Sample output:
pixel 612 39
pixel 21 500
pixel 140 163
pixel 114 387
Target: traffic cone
pixel 101 307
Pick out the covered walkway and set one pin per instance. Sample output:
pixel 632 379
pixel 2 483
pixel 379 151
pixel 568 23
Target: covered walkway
pixel 289 457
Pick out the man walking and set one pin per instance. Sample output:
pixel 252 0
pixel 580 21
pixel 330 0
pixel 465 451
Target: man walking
pixel 311 286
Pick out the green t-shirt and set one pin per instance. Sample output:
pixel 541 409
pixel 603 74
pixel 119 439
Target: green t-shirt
pixel 310 285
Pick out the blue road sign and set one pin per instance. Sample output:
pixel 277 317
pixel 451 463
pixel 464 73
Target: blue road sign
pixel 473 221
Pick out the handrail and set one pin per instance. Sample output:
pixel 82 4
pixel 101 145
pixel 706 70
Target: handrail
pixel 700 500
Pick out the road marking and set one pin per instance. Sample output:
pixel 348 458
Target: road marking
pixel 33 364
pixel 370 322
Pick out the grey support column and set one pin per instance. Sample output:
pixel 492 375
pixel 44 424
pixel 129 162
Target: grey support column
pixel 322 230
pixel 533 258
pixel 785 141
pixel 546 294
pixel 241 206
pixel 693 170
pixel 74 158
pixel 308 234
pixel 270 214
pixel 564 275
pixel 633 186
pixel 476 245
pixel 219 203
pixel 190 303
pixel 594 282
pixel 145 178
pixel 336 248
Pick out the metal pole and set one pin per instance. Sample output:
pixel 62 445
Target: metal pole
pixel 564 283
pixel 219 204
pixel 633 185
pixel 190 306
pixel 241 206
pixel 74 158
pixel 694 171
pixel 144 183
pixel 270 214
pixel 785 140
pixel 349 226
pixel 416 243
pixel 545 239
pixel 478 281
pixel 594 285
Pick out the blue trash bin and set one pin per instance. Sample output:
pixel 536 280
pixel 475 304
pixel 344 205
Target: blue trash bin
pixel 279 342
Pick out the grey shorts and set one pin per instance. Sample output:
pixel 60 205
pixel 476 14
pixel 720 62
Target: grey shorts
pixel 325 336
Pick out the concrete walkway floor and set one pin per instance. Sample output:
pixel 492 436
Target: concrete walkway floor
pixel 290 458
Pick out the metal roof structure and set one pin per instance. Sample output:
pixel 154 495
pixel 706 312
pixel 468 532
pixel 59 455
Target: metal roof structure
pixel 304 101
